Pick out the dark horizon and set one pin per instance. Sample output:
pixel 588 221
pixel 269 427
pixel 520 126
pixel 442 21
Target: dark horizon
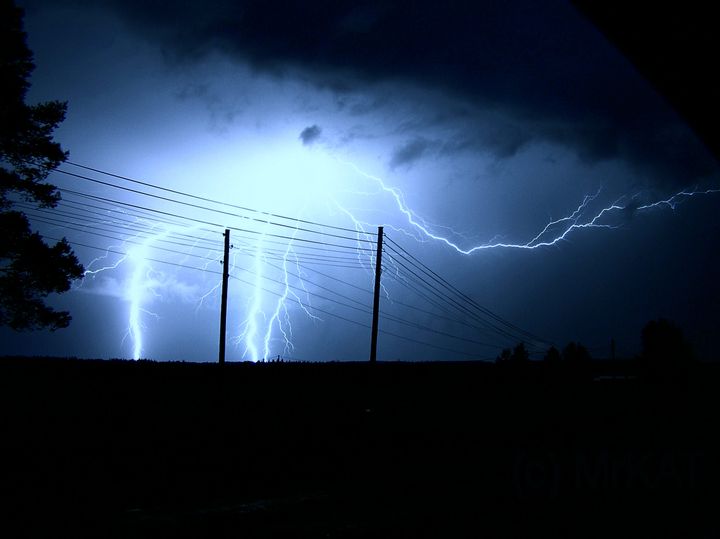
pixel 157 449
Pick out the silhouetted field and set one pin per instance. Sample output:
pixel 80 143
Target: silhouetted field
pixel 142 449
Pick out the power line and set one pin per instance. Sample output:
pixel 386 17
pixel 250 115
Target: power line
pixel 132 232
pixel 484 326
pixel 148 234
pixel 329 313
pixel 309 247
pixel 79 244
pixel 136 230
pixel 405 281
pixel 431 313
pixel 294 300
pixel 210 223
pixel 452 302
pixel 102 218
pixel 214 201
pixel 125 240
pixel 428 329
pixel 303 290
pixel 138 214
pixel 512 332
pixel 205 208
pixel 288 298
pixel 194 238
pixel 470 300
pixel 109 250
pixel 141 214
pixel 402 254
pixel 136 221
pixel 416 341
pixel 292 253
pixel 68 225
pixel 205 270
pixel 304 280
pixel 343 281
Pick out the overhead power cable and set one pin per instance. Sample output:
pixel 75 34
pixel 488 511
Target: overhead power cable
pixel 214 201
pixel 213 210
pixel 211 223
pixel 437 278
pixel 105 249
pixel 156 247
pixel 454 303
pixel 102 216
pixel 430 313
pixel 428 329
pixel 132 230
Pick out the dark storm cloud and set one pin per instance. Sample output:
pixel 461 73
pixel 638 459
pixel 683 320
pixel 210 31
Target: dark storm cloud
pixel 539 63
pixel 310 134
pixel 409 152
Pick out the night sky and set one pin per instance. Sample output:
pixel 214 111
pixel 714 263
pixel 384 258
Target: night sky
pixel 483 123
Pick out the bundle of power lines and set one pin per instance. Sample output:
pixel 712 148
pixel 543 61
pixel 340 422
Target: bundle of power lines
pixel 468 329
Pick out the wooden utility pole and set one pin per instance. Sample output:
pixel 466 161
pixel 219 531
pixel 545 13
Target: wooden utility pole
pixel 223 306
pixel 376 298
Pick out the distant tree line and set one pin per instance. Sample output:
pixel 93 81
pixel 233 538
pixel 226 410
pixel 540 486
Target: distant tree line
pixel 665 356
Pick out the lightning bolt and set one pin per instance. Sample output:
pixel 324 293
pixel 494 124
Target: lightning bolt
pixel 281 315
pixel 144 280
pixel 266 329
pixel 253 337
pixel 254 310
pixel 551 234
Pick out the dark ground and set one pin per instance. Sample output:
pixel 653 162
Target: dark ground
pixel 124 449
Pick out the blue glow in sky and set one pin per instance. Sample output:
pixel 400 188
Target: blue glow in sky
pixel 475 165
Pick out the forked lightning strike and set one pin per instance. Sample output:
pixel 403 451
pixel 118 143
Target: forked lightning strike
pixel 267 323
pixel 144 279
pixel 551 234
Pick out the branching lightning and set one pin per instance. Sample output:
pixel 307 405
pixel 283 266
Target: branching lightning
pixel 551 234
pixel 266 327
pixel 144 280
pixel 281 315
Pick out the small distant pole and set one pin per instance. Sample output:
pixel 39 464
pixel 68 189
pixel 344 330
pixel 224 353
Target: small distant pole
pixel 376 298
pixel 223 306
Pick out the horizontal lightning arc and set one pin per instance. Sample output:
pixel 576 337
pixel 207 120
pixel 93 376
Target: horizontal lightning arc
pixel 578 219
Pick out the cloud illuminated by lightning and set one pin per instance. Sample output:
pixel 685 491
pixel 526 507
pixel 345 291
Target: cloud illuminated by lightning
pixel 266 328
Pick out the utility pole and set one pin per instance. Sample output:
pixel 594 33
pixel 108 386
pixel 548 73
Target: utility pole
pixel 223 306
pixel 376 298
